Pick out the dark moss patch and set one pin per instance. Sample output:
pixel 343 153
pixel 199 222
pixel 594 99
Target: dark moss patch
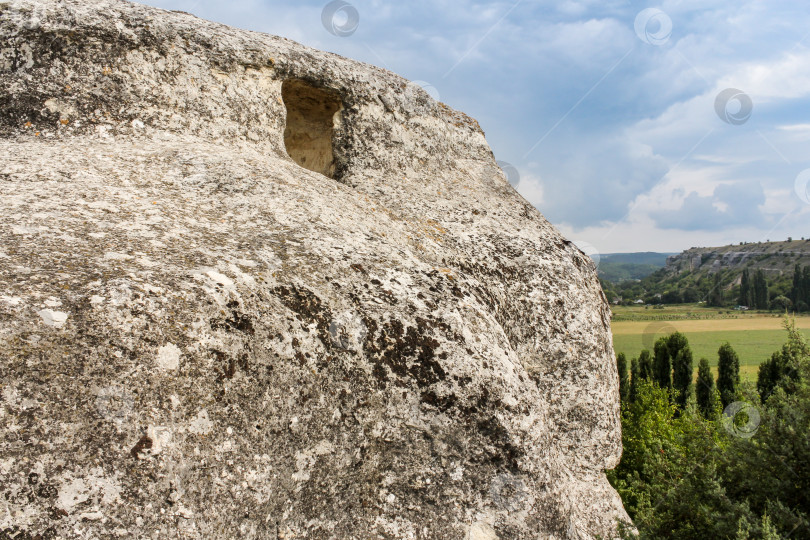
pixel 308 307
pixel 503 453
pixel 443 403
pixel 47 491
pixel 499 449
pixel 143 444
pixel 16 533
pixel 236 321
pixel 227 365
pixel 409 353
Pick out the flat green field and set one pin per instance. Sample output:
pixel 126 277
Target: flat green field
pixel 755 336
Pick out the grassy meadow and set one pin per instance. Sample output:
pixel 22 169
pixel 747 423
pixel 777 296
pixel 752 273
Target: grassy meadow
pixel 754 335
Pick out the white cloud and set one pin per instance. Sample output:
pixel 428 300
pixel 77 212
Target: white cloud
pixel 787 77
pixel 531 188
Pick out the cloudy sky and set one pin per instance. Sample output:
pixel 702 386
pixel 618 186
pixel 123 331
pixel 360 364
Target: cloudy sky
pixel 634 126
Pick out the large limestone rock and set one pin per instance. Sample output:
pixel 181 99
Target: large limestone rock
pixel 253 290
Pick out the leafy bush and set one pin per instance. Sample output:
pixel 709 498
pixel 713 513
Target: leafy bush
pixel 781 303
pixel 689 475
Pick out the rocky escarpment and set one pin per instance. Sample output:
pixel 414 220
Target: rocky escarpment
pixel 774 258
pixel 253 290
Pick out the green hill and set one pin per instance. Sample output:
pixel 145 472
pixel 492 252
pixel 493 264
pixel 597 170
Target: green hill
pixel 697 273
pixel 618 267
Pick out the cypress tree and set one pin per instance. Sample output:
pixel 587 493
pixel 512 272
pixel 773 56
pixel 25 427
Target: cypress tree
pixel 780 370
pixel 662 366
pixel 745 289
pixel 704 389
pixel 770 372
pixel 716 293
pixel 806 285
pixel 760 290
pixel 624 381
pixel 675 343
pixel 728 374
pixel 766 295
pixel 797 292
pixel 645 366
pixel 634 376
pixel 682 376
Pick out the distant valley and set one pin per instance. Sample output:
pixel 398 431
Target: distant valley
pixel 706 274
pixel 618 267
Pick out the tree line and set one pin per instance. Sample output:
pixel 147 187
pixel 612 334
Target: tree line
pixel 719 289
pixel 754 293
pixel 670 367
pixel 706 458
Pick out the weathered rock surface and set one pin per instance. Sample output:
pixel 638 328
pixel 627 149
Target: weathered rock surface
pixel 200 338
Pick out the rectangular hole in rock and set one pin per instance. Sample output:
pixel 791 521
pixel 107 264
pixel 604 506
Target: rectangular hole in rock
pixel 311 116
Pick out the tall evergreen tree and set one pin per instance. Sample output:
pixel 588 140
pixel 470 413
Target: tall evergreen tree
pixel 682 376
pixel 716 293
pixel 782 370
pixel 634 381
pixel 771 373
pixel 797 292
pixel 745 289
pixel 760 290
pixel 806 285
pixel 624 381
pixel 704 389
pixel 728 374
pixel 645 366
pixel 662 365
pixel 676 342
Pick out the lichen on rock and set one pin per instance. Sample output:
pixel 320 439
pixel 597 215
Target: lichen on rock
pixel 202 338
